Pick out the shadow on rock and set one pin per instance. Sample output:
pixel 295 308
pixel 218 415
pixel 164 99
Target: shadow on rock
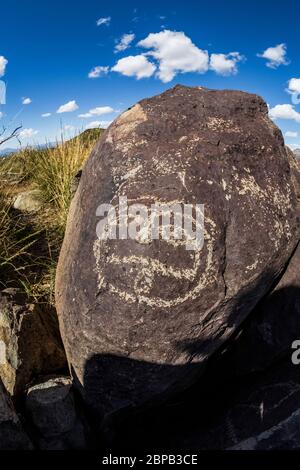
pixel 249 386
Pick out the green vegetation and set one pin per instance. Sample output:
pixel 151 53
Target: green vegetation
pixel 30 241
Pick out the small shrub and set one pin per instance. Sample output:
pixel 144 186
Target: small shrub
pixel 15 242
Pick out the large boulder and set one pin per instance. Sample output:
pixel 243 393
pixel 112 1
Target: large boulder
pixel 30 343
pixel 139 318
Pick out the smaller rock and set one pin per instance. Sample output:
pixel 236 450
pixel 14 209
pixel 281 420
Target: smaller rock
pixel 271 410
pixel 28 201
pixel 51 408
pixel 30 342
pixel 12 436
pixel 282 436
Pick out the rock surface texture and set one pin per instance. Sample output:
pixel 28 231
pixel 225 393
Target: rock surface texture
pixel 273 325
pixel 140 318
pixel 30 342
pixel 12 436
pixel 29 201
pixel 51 408
pixel 263 414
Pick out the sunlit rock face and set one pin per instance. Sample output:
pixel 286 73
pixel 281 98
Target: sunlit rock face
pixel 140 317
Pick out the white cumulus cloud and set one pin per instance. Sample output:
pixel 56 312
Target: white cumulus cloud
pixel 3 64
pixel 69 128
pixel 175 53
pixel 284 111
pixel 275 56
pixel 98 71
pixel 225 64
pixel 104 21
pixel 84 115
pixel 95 124
pixel 28 133
pixel 68 107
pixel 169 53
pixel 46 115
pixel 294 85
pixel 99 111
pixel 124 42
pixel 26 101
pixel 135 66
pixel 291 134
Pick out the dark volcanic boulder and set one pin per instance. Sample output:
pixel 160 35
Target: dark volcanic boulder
pixel 295 171
pixel 273 325
pixel 51 409
pixel 139 317
pixel 264 415
pixel 30 342
pixel 12 435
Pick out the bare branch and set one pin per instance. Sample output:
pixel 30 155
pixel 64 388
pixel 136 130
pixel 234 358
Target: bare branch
pixel 13 135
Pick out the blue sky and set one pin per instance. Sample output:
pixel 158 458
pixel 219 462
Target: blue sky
pixel 48 49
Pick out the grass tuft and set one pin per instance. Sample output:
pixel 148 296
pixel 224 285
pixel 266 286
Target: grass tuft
pixel 30 242
pixel 55 171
